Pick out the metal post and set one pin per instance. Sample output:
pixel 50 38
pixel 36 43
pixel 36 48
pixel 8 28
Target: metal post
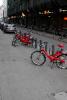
pixel 49 51
pixel 35 42
pixel 32 42
pixel 40 44
pixel 53 49
pixel 24 34
pixel 45 43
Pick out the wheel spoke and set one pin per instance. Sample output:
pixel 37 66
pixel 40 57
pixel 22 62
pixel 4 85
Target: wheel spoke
pixel 37 58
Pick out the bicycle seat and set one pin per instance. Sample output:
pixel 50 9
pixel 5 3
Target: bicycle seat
pixel 61 45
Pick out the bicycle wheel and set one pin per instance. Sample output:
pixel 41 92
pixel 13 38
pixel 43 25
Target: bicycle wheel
pixel 15 42
pixel 38 58
pixel 62 65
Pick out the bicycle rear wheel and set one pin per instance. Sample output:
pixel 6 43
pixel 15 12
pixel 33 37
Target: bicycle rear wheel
pixel 62 65
pixel 38 58
pixel 15 42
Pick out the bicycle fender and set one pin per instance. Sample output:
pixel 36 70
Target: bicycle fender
pixel 64 53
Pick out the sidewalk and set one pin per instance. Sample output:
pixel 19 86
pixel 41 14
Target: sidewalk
pixel 22 80
pixel 54 37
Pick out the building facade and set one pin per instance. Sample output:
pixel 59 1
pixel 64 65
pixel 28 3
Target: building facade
pixel 40 13
pixel 1 12
pixel 5 8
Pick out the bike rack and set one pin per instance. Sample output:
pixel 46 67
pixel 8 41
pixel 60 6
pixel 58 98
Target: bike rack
pixel 40 44
pixel 46 45
pixel 35 40
pixel 53 49
pixel 32 41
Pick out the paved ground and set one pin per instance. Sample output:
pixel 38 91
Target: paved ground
pixel 52 39
pixel 21 80
pixel 52 36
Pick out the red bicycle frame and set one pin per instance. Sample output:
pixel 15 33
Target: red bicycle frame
pixel 54 57
pixel 24 39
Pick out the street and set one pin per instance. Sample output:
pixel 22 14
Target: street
pixel 20 79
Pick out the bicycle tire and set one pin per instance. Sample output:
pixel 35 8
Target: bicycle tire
pixel 62 65
pixel 15 43
pixel 38 61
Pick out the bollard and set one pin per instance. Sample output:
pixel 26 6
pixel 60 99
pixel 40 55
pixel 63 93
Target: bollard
pixel 24 34
pixel 40 44
pixel 32 40
pixel 45 43
pixel 49 51
pixel 53 49
pixel 20 31
pixel 35 40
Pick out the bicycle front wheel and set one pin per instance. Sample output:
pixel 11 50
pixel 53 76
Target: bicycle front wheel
pixel 62 65
pixel 38 58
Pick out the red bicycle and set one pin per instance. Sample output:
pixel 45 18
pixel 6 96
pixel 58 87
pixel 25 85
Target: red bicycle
pixel 22 39
pixel 59 58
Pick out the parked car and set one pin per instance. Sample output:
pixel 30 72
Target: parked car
pixel 11 28
pixel 4 26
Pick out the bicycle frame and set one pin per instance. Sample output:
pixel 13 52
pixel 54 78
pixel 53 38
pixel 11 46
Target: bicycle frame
pixel 59 58
pixel 54 57
pixel 23 39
